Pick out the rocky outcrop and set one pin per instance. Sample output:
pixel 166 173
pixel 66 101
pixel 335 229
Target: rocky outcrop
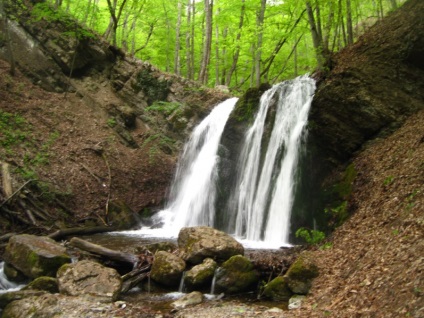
pixel 167 269
pixel 372 86
pixel 236 275
pixel 35 256
pixel 89 279
pixel 198 243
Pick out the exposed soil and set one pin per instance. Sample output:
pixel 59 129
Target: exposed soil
pixel 86 163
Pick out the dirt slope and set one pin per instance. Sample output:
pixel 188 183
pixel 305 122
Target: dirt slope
pixel 376 263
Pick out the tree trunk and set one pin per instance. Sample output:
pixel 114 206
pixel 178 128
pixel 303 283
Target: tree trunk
pixel 349 26
pixel 316 37
pixel 237 51
pixel 206 54
pixel 394 4
pixel 177 68
pixel 189 70
pixel 258 55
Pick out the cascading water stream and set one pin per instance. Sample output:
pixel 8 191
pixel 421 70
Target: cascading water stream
pixel 263 196
pixel 5 284
pixel 192 195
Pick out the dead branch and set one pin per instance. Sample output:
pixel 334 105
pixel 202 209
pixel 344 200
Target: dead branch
pixel 80 231
pixel 106 252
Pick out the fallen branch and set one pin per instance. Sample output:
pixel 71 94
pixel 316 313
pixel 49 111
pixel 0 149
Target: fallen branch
pixel 59 234
pixel 17 191
pixel 103 251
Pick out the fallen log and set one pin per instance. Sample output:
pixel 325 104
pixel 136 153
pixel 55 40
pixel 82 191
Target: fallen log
pixel 134 277
pixel 106 252
pixel 59 234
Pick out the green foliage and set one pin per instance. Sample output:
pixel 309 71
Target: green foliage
pixel 338 214
pixel 13 129
pixel 44 11
pixel 311 237
pixel 111 122
pixel 166 108
pixel 388 180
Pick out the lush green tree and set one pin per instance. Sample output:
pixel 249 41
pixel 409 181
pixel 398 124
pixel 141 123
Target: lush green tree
pixel 238 43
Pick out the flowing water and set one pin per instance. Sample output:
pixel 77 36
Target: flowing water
pixel 5 284
pixel 192 195
pixel 264 191
pixel 261 201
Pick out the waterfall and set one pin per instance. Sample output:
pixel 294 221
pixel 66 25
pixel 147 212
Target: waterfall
pixel 261 199
pixel 263 196
pixel 193 191
pixel 5 284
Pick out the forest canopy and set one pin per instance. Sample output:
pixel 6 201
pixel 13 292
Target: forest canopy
pixel 237 43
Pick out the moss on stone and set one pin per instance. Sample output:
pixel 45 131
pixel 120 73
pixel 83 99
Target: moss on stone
pixel 248 104
pixel 278 289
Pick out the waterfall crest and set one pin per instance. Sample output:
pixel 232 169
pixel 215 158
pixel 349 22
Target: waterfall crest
pixel 263 196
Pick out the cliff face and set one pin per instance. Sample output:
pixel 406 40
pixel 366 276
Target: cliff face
pixel 372 86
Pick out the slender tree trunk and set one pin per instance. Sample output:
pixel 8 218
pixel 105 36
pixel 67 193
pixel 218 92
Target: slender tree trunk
pixel 192 49
pixel 394 4
pixel 177 68
pixel 237 51
pixel 206 54
pixel 259 24
pixel 217 55
pixel 189 70
pixel 316 37
pixel 7 38
pixel 349 26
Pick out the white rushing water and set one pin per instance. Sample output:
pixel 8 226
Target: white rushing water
pixel 263 196
pixel 192 195
pixel 5 284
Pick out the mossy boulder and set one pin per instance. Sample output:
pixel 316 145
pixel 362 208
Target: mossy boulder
pixel 167 269
pixel 236 275
pixel 301 273
pixel 278 289
pixel 13 274
pixel 200 242
pixel 35 256
pixel 247 105
pixel 43 283
pixel 200 275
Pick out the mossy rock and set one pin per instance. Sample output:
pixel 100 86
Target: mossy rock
pixel 200 275
pixel 7 298
pixel 247 105
pixel 278 289
pixel 167 269
pixel 301 273
pixel 44 283
pixel 35 256
pixel 236 275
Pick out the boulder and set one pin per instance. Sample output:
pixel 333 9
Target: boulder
pixel 296 301
pixel 91 279
pixel 167 269
pixel 236 275
pixel 61 306
pixel 200 275
pixel 191 299
pixel 301 273
pixel 200 242
pixel 7 298
pixel 277 289
pixel 44 283
pixel 13 274
pixel 35 256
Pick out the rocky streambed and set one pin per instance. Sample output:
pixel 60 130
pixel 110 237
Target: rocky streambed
pixel 80 278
